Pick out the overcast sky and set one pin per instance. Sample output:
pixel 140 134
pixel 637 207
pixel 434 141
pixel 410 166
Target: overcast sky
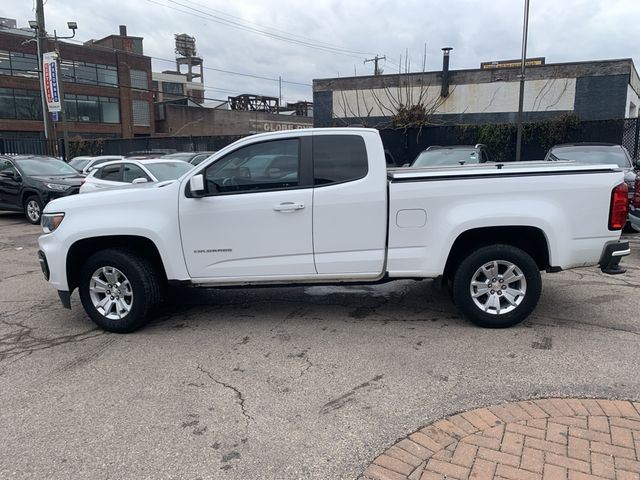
pixel 331 38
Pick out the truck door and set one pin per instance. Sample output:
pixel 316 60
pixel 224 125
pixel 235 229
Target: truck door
pixel 255 219
pixel 349 205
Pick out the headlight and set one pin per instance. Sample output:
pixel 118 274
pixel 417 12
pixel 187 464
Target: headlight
pixel 58 187
pixel 51 221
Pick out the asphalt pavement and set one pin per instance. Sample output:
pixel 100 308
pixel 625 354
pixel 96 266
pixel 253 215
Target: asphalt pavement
pixel 283 383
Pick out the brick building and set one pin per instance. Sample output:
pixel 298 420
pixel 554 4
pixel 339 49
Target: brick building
pixel 107 87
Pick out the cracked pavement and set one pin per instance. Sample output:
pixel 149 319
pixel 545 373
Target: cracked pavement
pixel 283 383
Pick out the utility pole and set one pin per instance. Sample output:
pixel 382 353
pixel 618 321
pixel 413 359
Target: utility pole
pixel 41 41
pixel 525 31
pixel 376 70
pixel 279 93
pixel 65 137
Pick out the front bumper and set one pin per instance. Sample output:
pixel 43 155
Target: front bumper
pixel 611 256
pixel 65 296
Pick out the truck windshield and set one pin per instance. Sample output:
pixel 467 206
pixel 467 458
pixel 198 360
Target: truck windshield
pixel 593 155
pixel 446 156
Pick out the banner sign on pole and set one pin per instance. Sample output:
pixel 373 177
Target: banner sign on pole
pixel 50 71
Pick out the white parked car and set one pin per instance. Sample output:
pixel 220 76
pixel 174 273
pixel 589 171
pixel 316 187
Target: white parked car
pixel 85 164
pixel 128 171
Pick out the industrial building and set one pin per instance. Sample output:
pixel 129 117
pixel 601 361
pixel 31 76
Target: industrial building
pixel 594 90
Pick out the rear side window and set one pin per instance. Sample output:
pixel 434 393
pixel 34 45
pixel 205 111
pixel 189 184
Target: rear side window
pixel 111 173
pixel 131 172
pixel 338 158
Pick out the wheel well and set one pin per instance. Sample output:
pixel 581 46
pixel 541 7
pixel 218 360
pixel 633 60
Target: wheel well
pixel 28 193
pixel 83 249
pixel 529 239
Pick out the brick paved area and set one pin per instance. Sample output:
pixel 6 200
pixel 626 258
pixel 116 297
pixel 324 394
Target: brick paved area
pixel 550 439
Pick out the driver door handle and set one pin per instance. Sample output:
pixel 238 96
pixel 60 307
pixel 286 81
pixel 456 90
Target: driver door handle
pixel 288 206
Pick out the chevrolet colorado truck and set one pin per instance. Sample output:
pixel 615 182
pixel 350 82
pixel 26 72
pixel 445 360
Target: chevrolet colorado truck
pixel 319 206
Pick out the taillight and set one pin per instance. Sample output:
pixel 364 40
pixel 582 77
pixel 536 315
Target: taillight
pixel 636 193
pixel 619 207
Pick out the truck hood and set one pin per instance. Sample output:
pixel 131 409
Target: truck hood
pixel 120 197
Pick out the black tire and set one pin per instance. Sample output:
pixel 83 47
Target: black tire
pixel 144 284
pixel 505 255
pixel 33 209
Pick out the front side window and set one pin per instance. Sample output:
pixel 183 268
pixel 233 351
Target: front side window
pixel 338 158
pixel 271 165
pixel 7 166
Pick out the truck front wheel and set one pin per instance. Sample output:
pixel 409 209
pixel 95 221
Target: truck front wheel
pixel 118 289
pixel 497 286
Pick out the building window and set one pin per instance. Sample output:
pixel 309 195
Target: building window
pixel 109 110
pixel 172 88
pixel 86 73
pixel 141 116
pixel 24 65
pixel 87 108
pixel 20 104
pixel 107 75
pixel 139 79
pixel 5 63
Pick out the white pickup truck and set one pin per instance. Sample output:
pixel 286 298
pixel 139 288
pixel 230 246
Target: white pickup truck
pixel 319 206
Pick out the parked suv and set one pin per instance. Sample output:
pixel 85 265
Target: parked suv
pixel 437 155
pixel 29 182
pixel 598 153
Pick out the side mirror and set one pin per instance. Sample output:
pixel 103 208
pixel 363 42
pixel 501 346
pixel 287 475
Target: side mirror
pixel 9 174
pixel 406 164
pixel 638 164
pixel 196 185
pixel 140 180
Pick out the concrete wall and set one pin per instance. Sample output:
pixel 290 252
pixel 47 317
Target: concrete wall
pixel 185 120
pixel 593 90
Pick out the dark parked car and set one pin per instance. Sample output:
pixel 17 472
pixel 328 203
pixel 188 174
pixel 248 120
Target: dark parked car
pixel 29 182
pixel 598 154
pixel 436 155
pixel 194 158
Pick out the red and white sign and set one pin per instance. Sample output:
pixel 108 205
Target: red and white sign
pixel 50 73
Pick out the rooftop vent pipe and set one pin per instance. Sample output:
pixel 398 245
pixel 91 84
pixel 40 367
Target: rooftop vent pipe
pixel 445 72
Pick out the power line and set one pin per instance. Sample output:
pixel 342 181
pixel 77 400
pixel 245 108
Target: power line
pixel 240 74
pixel 230 23
pixel 259 77
pixel 242 20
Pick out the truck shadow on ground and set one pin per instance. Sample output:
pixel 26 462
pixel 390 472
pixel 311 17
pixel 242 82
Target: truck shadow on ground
pixel 400 301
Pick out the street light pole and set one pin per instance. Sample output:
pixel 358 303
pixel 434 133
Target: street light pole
pixel 525 31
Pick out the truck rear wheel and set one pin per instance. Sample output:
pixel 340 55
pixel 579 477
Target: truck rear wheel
pixel 497 286
pixel 118 290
